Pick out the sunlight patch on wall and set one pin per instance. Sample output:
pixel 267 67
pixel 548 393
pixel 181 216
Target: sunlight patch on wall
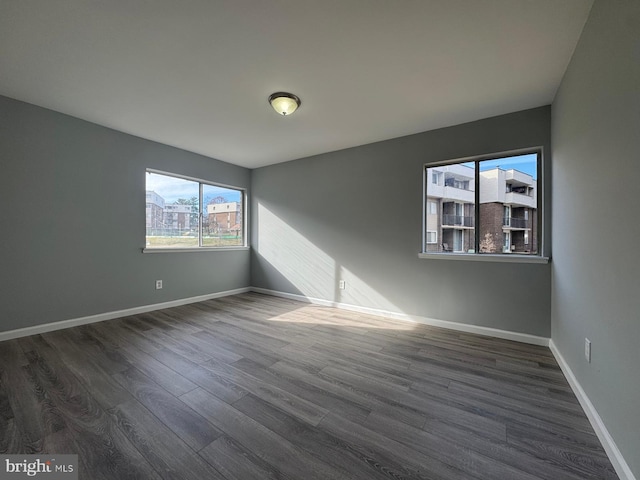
pixel 303 264
pixel 313 272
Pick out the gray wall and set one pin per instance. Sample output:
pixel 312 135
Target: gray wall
pixel 356 214
pixel 596 226
pixel 73 221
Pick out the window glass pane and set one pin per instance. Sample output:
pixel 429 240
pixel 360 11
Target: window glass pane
pixel 508 205
pixel 507 196
pixel 172 212
pixel 222 223
pixel 452 190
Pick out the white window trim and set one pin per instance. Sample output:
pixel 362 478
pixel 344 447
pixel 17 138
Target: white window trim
pixel 435 233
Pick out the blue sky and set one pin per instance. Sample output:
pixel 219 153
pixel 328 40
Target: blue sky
pixel 171 189
pixel 523 163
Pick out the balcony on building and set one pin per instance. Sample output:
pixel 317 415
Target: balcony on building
pixel 517 177
pixel 519 189
pixel 520 198
pixel 457 221
pixel 514 223
pixel 452 182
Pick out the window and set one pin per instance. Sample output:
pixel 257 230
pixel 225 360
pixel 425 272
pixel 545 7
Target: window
pixel 432 237
pixel 188 213
pixel 506 244
pixel 492 206
pixel 455 183
pixel 433 208
pixel 507 216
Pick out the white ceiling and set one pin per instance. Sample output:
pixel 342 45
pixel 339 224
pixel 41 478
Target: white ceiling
pixel 196 74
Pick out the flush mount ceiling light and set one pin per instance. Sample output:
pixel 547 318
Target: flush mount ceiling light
pixel 284 103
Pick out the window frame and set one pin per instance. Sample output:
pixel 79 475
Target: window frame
pixel 200 248
pixel 540 213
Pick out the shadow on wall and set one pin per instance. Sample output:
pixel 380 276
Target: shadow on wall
pixel 302 267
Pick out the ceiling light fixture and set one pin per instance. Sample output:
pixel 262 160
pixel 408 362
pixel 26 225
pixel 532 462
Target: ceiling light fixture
pixel 284 103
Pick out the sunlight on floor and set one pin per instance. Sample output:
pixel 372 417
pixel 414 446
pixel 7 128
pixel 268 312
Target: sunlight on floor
pixel 320 315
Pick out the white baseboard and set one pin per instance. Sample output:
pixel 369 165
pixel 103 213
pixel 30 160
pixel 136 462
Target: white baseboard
pixel 74 322
pixel 463 327
pixel 617 460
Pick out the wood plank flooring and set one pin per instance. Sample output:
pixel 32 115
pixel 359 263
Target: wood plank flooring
pixel 258 387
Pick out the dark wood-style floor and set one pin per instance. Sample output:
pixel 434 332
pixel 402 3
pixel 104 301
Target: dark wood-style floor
pixel 258 387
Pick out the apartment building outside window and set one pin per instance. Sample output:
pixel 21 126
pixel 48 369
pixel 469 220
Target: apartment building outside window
pixel 486 206
pixel 187 213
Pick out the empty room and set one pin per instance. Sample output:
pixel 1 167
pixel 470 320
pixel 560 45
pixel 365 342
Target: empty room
pixel 355 239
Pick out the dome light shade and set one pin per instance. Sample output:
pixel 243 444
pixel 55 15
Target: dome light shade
pixel 284 103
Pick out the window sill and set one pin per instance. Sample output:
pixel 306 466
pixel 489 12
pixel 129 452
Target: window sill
pixel 194 249
pixel 486 257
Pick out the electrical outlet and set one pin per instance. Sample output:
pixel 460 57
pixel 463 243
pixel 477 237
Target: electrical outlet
pixel 587 349
pixel 158 284
pixel 342 285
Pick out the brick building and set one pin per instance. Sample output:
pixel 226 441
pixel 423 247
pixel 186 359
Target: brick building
pixel 507 213
pixel 224 218
pixel 163 219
